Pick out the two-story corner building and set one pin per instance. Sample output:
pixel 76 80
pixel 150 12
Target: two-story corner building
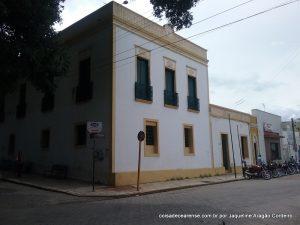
pixel 131 74
pixel 234 138
pixel 269 130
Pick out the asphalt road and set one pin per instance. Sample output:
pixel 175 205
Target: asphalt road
pixel 20 205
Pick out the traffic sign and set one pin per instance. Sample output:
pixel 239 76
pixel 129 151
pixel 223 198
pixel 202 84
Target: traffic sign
pixel 94 127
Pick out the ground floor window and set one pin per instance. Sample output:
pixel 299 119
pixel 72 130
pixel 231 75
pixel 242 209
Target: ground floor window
pixel 11 144
pixel 188 140
pixel 151 142
pixel 45 139
pixel 80 134
pixel 245 150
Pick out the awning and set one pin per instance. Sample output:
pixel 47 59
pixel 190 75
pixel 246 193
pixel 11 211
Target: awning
pixel 269 134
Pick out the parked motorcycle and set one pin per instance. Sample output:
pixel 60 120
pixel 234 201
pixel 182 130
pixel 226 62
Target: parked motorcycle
pixel 255 171
pixel 289 170
pixel 272 167
pixel 292 168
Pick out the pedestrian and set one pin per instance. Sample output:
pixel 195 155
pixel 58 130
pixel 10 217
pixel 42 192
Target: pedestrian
pixel 259 160
pixel 19 164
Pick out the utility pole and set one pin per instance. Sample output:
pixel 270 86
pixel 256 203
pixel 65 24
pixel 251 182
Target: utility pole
pixel 241 154
pixel 232 146
pixel 294 140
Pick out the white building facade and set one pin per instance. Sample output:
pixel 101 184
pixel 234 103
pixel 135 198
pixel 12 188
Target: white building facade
pixel 269 129
pixel 234 138
pixel 179 145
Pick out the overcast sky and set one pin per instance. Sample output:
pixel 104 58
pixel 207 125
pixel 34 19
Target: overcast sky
pixel 252 64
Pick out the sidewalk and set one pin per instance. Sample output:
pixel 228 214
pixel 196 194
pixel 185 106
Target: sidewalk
pixel 84 189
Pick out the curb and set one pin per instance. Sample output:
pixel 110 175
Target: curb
pixel 76 194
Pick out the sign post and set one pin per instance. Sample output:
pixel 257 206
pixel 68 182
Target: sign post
pixel 94 129
pixel 141 137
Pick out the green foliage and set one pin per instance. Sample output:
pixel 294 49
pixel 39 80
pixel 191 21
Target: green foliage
pixel 176 11
pixel 30 48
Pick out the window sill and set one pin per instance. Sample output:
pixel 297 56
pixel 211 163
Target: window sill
pixel 189 152
pixel 171 106
pixel 143 101
pixel 151 154
pixel 80 146
pixel 194 111
pixel 82 102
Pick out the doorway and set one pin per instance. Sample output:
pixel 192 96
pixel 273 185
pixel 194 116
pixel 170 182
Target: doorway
pixel 255 153
pixel 226 163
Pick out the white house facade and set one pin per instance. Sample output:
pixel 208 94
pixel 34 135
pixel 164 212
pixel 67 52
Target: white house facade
pixel 269 129
pixel 234 138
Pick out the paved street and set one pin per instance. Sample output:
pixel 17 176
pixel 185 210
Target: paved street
pixel 24 205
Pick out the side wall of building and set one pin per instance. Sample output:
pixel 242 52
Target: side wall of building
pixel 96 44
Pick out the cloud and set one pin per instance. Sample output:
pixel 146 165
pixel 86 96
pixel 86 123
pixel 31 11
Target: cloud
pixel 285 113
pixel 245 83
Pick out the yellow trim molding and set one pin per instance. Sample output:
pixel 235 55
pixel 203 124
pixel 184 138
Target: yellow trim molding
pixel 130 178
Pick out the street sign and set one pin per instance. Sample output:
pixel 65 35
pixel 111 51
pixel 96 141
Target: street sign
pixel 94 127
pixel 141 136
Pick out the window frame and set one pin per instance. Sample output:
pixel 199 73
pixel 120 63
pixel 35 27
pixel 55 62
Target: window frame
pixel 174 81
pixel 149 77
pixel 196 93
pixel 41 138
pixel 145 55
pixel 245 137
pixel 80 76
pixel 76 135
pixel 151 150
pixel 174 86
pixel 11 148
pixel 188 87
pixel 189 151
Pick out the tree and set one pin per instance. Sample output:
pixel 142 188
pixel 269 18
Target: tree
pixel 30 47
pixel 177 12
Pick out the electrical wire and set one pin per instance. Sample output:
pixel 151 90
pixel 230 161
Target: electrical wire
pixel 197 22
pixel 214 29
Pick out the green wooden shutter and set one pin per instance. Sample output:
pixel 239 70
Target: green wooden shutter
pixel 170 80
pixel 142 71
pixel 192 86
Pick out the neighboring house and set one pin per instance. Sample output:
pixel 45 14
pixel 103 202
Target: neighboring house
pixel 125 73
pixel 234 138
pixel 269 129
pixel 288 140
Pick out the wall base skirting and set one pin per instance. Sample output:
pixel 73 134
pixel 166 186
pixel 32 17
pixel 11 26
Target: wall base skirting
pixel 130 178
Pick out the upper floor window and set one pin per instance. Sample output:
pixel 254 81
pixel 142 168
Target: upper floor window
pixel 143 89
pixel 170 95
pixel 21 107
pixel 84 89
pixel 47 102
pixel 193 101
